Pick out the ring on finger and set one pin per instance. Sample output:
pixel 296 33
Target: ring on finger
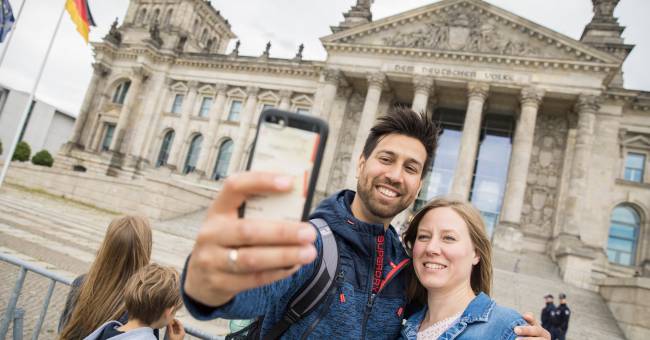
pixel 233 254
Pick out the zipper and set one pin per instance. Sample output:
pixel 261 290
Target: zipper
pixel 371 300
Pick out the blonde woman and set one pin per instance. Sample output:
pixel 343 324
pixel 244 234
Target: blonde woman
pixel 97 297
pixel 451 276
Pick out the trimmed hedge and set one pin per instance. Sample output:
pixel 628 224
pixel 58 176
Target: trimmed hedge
pixel 43 158
pixel 22 153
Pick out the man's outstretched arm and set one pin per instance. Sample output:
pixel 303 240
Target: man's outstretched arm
pixel 534 331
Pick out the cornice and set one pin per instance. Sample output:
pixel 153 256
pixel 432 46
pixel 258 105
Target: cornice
pixel 495 59
pixel 304 69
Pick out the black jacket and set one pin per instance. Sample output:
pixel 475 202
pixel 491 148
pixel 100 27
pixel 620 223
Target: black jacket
pixel 561 317
pixel 546 316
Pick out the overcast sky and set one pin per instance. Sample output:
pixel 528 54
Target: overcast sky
pixel 287 23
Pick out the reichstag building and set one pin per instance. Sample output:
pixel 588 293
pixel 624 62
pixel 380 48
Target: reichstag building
pixel 537 129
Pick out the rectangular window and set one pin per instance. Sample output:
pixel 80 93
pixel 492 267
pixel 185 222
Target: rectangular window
pixel 178 103
pixel 109 130
pixel 235 109
pixel 634 167
pixel 302 111
pixel 206 104
pixel 267 107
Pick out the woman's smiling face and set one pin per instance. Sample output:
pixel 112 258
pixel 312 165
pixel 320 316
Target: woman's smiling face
pixel 443 253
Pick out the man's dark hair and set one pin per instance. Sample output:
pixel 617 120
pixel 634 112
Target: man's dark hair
pixel 404 121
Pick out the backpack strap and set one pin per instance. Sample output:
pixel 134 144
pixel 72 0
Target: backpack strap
pixel 314 291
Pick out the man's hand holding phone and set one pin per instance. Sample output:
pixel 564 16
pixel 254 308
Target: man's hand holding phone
pixel 233 254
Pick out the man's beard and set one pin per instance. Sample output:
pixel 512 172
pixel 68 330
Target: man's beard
pixel 365 192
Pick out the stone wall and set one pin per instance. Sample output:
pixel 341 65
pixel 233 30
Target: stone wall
pixel 154 195
pixel 629 301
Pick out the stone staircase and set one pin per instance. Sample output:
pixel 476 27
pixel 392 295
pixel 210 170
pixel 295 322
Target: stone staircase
pixel 522 280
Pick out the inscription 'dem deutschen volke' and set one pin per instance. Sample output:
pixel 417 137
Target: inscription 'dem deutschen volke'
pixel 455 72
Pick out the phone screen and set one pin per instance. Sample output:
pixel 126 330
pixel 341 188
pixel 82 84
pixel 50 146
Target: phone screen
pixel 284 150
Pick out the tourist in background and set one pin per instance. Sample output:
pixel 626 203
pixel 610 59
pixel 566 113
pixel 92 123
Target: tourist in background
pixel 451 276
pixel 97 297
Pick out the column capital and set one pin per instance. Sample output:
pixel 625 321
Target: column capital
pixel 169 81
pixel 220 88
pixel 587 104
pixel 101 70
pixel 333 76
pixel 423 84
pixel 140 73
pixel 285 94
pixel 252 90
pixel 531 96
pixel 478 90
pixel 377 79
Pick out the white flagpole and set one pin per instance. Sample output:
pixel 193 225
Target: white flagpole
pixel 29 103
pixel 11 33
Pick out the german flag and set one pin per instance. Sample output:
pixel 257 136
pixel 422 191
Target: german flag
pixel 80 15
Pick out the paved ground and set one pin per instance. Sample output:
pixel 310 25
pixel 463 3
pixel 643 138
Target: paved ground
pixel 63 236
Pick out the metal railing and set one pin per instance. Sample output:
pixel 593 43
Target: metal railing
pixel 16 314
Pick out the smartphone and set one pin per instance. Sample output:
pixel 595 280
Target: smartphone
pixel 291 144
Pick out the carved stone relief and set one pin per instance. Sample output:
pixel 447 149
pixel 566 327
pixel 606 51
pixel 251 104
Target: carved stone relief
pixel 345 144
pixel 467 30
pixel 544 174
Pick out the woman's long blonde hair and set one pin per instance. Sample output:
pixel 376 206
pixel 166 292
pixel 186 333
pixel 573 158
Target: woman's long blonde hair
pixel 125 249
pixel 481 277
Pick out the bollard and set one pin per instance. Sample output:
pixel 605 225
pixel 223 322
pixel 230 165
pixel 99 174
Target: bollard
pixel 19 315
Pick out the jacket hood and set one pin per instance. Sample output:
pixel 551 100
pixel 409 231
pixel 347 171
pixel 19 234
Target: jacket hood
pixel 337 210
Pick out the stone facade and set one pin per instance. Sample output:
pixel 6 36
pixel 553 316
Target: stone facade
pixel 188 103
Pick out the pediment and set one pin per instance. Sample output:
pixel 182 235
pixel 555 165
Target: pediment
pixel 468 27
pixel 268 96
pixel 179 87
pixel 639 142
pixel 302 100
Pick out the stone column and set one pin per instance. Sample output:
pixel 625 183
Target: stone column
pixel 461 185
pixel 377 82
pixel 215 111
pixel 100 72
pixel 586 108
pixel 324 100
pixel 423 87
pixel 138 77
pixel 160 108
pixel 244 129
pixel 507 234
pixel 179 138
pixel 285 100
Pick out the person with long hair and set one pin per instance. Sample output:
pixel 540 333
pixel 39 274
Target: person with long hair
pixel 451 276
pixel 97 297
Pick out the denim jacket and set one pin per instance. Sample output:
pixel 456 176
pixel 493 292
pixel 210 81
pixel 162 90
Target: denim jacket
pixel 482 319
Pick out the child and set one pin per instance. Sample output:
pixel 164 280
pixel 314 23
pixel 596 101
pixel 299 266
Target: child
pixel 151 297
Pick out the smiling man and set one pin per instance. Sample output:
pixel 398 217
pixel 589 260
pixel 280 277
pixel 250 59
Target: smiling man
pixel 241 268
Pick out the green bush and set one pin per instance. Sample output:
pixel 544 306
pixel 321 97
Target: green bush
pixel 43 158
pixel 22 153
pixel 0 147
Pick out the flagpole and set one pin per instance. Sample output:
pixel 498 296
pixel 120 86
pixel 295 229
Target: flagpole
pixel 29 102
pixel 11 33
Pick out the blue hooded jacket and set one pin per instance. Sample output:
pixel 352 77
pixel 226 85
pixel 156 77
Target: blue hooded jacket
pixel 370 288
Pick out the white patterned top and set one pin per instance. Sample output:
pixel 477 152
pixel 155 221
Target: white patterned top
pixel 434 331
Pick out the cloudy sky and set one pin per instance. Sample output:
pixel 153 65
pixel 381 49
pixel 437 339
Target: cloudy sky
pixel 287 23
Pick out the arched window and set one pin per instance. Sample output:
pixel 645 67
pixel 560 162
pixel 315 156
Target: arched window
pixel 120 92
pixel 168 18
pixel 166 146
pixel 204 35
pixel 223 160
pixel 623 235
pixel 193 154
pixel 154 17
pixel 142 15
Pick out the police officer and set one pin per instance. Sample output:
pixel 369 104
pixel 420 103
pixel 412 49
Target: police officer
pixel 560 319
pixel 546 313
